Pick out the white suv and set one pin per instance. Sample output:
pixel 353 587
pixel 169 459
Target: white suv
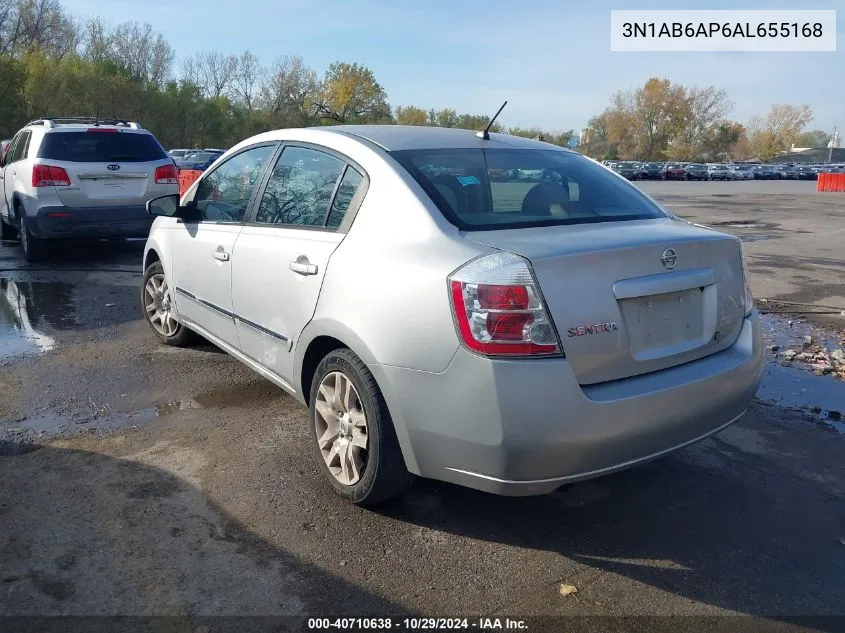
pixel 79 177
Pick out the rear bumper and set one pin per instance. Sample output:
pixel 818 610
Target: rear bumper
pixel 527 427
pixel 67 222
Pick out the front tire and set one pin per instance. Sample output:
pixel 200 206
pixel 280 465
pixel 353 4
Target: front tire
pixel 157 306
pixel 352 432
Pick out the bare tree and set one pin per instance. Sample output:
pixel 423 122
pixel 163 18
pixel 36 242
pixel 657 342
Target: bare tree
pixel 247 78
pixel 41 24
pixel 212 71
pixel 702 109
pixel 145 55
pixel 290 90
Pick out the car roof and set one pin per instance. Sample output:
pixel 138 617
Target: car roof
pixel 404 137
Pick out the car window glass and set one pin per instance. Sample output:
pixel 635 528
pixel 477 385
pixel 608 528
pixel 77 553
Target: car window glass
pixel 10 151
pixel 300 188
pixel 346 191
pixel 489 189
pixel 17 152
pixel 224 193
pixel 103 146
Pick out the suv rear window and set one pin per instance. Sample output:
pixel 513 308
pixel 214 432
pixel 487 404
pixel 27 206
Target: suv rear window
pixel 100 147
pixel 501 188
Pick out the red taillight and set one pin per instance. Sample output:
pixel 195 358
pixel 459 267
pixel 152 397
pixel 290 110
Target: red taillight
pixel 103 130
pixel 167 175
pixel 505 317
pixel 49 176
pixel 503 297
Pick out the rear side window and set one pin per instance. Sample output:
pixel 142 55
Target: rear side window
pixel 101 147
pixel 300 188
pixel 497 189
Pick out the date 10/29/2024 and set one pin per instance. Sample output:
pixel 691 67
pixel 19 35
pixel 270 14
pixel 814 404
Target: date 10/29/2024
pixel 417 624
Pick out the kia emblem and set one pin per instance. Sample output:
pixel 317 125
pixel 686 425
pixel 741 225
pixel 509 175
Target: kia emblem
pixel 114 167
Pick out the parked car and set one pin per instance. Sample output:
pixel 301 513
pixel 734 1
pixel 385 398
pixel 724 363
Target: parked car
pixel 627 169
pixel 673 171
pixel 649 171
pixel 786 172
pixel 696 171
pixel 178 154
pixel 199 161
pixel 592 329
pixel 77 177
pixel 718 172
pixel 806 172
pixel 765 172
pixel 741 172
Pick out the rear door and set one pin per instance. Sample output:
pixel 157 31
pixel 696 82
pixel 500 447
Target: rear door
pixel 281 256
pixel 203 246
pixel 108 166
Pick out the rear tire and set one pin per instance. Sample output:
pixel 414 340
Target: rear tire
pixel 357 427
pixel 156 299
pixel 7 231
pixel 34 249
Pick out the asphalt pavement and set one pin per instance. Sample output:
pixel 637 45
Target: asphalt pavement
pixel 139 479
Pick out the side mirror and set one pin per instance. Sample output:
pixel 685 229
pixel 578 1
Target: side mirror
pixel 167 206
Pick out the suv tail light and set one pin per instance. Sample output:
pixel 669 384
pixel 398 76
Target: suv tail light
pixel 167 175
pixel 499 310
pixel 49 176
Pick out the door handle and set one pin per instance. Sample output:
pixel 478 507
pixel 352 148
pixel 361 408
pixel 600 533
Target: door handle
pixel 220 254
pixel 303 266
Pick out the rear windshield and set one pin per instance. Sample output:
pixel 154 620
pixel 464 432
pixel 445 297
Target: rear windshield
pixel 497 189
pixel 101 147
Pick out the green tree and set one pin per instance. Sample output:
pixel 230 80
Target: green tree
pixel 411 115
pixel 349 93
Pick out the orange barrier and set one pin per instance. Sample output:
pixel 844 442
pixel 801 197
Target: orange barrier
pixel 187 177
pixel 830 182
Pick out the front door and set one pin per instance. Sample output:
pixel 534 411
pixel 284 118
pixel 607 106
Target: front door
pixel 204 244
pixel 282 255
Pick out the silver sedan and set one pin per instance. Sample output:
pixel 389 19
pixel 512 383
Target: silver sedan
pixel 495 312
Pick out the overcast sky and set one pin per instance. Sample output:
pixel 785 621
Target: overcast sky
pixel 550 59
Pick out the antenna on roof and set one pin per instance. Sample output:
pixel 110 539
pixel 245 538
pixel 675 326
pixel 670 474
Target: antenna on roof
pixel 484 134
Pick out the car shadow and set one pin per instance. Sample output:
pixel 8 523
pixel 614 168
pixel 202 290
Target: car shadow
pixel 88 534
pixel 729 522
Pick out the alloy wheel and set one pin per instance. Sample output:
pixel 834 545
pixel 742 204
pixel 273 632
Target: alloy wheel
pixel 157 303
pixel 341 428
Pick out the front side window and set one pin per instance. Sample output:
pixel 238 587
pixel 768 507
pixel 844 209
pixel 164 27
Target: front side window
pixel 224 193
pixel 300 188
pixel 496 189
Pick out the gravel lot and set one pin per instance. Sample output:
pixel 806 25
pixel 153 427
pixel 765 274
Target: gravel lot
pixel 137 479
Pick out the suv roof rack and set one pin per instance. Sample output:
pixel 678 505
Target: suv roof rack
pixel 52 121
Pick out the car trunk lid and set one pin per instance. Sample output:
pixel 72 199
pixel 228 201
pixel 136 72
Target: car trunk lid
pixel 103 184
pixel 633 297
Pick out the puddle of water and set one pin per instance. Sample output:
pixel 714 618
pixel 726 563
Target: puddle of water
pixel 799 389
pixel 796 386
pixel 21 324
pixel 53 424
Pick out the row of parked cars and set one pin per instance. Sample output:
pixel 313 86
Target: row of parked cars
pixel 633 170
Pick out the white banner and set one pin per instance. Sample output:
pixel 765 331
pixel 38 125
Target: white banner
pixel 729 30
